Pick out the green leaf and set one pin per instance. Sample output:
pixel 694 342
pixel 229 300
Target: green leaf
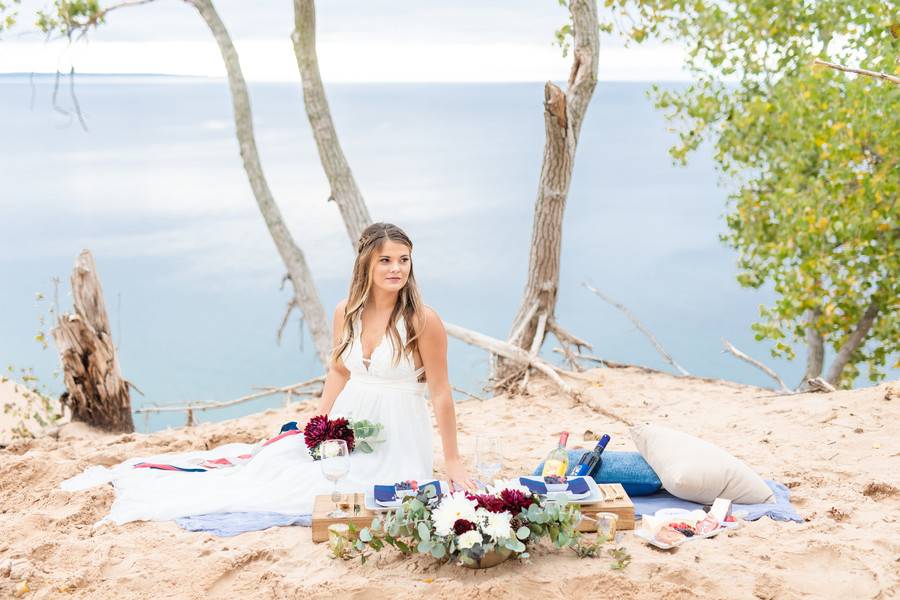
pixel 424 547
pixel 523 533
pixel 424 533
pixel 438 551
pixel 365 535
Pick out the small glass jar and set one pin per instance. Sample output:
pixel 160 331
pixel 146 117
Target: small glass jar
pixel 339 539
pixel 606 524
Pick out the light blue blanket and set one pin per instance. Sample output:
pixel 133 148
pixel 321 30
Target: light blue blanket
pixel 781 510
pixel 232 523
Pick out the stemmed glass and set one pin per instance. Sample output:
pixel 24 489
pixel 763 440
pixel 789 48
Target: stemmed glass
pixel 335 463
pixel 488 458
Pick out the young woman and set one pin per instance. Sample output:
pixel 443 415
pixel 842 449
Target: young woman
pixel 388 348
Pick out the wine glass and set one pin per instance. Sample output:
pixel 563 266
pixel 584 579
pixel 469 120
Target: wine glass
pixel 488 458
pixel 335 463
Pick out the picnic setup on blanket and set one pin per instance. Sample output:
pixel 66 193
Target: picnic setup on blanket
pixel 376 441
pixel 675 489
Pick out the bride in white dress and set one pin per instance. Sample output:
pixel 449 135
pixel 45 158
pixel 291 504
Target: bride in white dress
pixel 389 347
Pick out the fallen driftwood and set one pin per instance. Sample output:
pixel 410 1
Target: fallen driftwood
pixel 514 354
pixel 668 357
pixel 289 391
pixel 729 347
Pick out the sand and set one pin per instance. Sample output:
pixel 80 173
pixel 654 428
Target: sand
pixel 839 453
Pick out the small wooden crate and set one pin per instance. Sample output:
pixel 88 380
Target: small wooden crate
pixel 622 507
pixel 323 505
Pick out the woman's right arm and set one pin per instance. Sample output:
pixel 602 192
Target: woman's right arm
pixel 337 375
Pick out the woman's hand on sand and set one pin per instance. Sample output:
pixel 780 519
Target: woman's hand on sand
pixel 459 476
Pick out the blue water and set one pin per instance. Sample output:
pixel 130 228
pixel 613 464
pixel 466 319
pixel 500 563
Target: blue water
pixel 156 190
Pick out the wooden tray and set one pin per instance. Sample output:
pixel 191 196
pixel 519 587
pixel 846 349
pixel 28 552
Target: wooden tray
pixel 623 507
pixel 323 505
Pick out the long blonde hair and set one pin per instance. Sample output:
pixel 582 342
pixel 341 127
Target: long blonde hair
pixel 409 302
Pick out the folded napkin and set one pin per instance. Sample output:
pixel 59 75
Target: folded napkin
pixel 388 493
pixel 576 486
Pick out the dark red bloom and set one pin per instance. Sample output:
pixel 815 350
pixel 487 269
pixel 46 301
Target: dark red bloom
pixel 461 526
pixel 320 428
pixel 488 502
pixel 515 501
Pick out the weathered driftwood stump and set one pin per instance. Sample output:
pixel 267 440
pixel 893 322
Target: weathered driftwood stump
pixel 96 392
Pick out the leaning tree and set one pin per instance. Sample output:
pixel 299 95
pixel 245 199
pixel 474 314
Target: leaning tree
pixel 74 19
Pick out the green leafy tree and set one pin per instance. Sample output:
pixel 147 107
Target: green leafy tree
pixel 8 14
pixel 810 155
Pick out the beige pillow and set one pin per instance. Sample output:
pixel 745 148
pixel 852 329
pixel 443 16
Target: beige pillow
pixel 695 470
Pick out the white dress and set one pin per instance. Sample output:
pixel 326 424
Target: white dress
pixel 281 477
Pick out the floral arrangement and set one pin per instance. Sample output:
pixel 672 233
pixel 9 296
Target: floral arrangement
pixel 360 435
pixel 498 523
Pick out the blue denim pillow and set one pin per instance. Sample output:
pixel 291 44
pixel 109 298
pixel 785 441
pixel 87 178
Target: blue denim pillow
pixel 628 468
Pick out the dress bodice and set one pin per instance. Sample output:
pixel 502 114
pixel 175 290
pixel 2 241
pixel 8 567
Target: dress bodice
pixel 380 366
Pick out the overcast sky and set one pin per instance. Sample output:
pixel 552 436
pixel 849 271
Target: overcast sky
pixel 358 40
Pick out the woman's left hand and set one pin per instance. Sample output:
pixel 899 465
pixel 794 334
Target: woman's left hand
pixel 459 476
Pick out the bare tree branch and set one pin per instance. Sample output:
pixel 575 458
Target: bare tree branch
pixel 854 341
pixel 668 358
pixel 512 353
pixel 212 405
pixel 729 347
pixel 344 190
pixel 75 99
pixel 866 72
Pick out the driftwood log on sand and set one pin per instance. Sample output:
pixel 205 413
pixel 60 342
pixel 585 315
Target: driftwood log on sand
pixel 97 394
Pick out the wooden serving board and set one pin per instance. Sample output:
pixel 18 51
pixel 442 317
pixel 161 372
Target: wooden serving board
pixel 323 505
pixel 623 507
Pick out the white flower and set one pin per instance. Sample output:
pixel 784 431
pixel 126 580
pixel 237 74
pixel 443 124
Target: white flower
pixel 507 484
pixel 469 539
pixel 495 525
pixel 452 507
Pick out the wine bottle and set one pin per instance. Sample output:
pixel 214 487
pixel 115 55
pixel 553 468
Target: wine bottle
pixel 590 462
pixel 557 462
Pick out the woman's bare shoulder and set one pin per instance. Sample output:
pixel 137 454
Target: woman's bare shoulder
pixel 428 322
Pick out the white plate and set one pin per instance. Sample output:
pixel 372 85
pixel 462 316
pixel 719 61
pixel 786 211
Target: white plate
pixel 589 497
pixel 374 505
pixel 645 535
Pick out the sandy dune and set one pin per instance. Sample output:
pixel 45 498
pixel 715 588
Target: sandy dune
pixel 832 450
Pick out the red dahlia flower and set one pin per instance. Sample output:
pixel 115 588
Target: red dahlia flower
pixel 515 501
pixel 488 502
pixel 320 428
pixel 461 526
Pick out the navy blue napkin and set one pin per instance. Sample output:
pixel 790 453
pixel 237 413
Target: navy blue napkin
pixel 536 487
pixel 388 493
pixel 579 486
pixel 576 486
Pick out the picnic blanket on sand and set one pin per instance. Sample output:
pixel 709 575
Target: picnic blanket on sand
pixel 781 510
pixel 232 523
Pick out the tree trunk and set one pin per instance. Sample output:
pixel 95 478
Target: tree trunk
pixel 305 294
pixel 344 190
pixel 96 392
pixel 853 342
pixel 815 348
pixel 563 116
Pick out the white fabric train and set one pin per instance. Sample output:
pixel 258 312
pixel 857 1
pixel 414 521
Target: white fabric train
pixel 281 477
